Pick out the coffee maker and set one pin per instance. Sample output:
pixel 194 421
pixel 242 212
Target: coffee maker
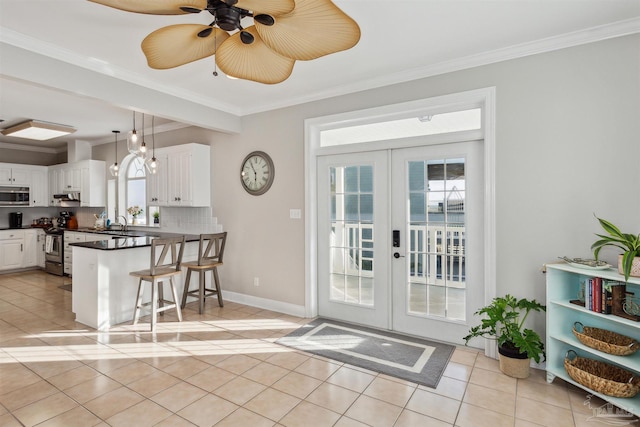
pixel 15 219
pixel 63 220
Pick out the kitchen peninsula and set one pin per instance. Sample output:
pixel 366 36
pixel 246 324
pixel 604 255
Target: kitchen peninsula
pixel 104 293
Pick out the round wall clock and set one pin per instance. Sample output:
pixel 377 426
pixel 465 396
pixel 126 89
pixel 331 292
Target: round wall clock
pixel 257 173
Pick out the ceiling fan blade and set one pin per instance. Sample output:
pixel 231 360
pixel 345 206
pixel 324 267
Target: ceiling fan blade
pixel 156 7
pixel 269 7
pixel 253 61
pixel 180 44
pixel 313 29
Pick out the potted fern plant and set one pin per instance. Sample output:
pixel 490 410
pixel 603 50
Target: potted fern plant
pixel 504 322
pixel 629 261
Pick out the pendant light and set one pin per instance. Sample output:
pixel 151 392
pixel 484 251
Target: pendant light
pixel 113 169
pixel 152 163
pixel 133 141
pixel 143 145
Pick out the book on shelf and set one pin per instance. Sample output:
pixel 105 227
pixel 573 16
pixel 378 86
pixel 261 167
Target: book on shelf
pixel 599 295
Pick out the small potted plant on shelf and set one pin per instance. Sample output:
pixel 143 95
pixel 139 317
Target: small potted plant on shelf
pixel 156 217
pixel 629 261
pixel 504 322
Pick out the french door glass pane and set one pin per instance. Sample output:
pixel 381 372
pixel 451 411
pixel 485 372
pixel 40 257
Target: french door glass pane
pixel 436 252
pixel 351 238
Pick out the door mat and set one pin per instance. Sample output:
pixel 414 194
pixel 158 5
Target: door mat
pixel 409 358
pixel 66 287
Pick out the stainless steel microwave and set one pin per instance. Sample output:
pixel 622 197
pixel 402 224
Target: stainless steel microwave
pixel 14 196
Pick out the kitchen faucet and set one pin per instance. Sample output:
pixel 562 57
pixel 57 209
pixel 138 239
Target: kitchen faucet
pixel 123 225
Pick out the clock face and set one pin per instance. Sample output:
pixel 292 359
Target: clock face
pixel 257 173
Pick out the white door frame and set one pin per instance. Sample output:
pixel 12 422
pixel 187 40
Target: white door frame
pixel 484 98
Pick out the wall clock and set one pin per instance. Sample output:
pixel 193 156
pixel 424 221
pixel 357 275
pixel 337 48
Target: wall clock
pixel 257 173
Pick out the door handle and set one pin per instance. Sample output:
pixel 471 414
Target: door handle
pixel 397 255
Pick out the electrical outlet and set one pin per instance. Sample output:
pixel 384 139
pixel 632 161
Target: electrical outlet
pixel 256 281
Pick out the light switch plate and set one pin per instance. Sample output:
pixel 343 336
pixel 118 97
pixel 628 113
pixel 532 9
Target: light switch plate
pixel 295 213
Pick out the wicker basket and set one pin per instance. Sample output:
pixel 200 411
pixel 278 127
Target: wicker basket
pixel 601 377
pixel 605 341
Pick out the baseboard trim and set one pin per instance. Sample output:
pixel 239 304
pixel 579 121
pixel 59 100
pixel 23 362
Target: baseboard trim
pixel 264 303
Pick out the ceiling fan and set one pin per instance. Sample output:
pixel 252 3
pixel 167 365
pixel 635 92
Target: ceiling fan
pixel 283 32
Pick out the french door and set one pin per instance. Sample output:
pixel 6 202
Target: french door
pixel 400 238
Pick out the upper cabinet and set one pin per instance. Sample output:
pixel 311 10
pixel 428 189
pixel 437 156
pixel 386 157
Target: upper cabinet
pixel 13 174
pixel 85 177
pixel 183 177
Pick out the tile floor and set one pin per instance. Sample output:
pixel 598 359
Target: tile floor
pixel 222 368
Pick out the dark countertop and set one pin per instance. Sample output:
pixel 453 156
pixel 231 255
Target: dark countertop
pixel 115 240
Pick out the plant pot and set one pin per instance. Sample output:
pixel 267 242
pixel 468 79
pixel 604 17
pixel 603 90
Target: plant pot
pixel 513 363
pixel 635 266
pixel 135 220
pixel 156 220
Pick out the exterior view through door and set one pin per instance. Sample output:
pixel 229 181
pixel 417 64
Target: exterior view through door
pixel 400 238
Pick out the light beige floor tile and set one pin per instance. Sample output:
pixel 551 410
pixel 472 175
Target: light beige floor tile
pixel 412 419
pixel 242 417
pixel 373 412
pixel 450 387
pixel 458 371
pixel 348 422
pixel 132 372
pixel 73 377
pixel 153 384
pixel 186 368
pixel 76 417
pixel 542 413
pixel 44 409
pixel 493 400
pixel 547 393
pixel 207 411
pixel 8 420
pixel 143 414
pixel 487 363
pixel 389 391
pixel 178 396
pixel 333 397
pixel 239 390
pixel 307 412
pixel 238 363
pixel 50 369
pixel 92 388
pixel 174 421
pixel 265 373
pixel 288 360
pixel 474 416
pixel 495 380
pixel 211 378
pixel 318 369
pixel 297 385
pixel 109 365
pixel 115 401
pixel 464 356
pixel 26 395
pixel 433 405
pixel 272 404
pixel 352 379
pixel 17 379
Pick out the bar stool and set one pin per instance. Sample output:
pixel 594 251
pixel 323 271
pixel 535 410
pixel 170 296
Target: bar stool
pixel 162 268
pixel 210 253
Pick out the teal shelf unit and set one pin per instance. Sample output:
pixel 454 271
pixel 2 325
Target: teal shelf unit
pixel 563 285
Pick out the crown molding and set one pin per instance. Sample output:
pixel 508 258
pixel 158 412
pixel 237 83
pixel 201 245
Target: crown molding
pixel 9 146
pixel 576 38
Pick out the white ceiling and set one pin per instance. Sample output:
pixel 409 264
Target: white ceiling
pixel 104 75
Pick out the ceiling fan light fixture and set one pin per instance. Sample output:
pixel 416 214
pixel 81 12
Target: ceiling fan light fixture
pixel 38 130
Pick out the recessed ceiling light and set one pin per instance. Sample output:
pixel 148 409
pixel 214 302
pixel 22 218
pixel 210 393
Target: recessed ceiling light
pixel 41 131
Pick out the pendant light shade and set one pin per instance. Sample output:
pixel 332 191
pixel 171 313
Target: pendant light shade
pixel 133 140
pixel 114 168
pixel 143 146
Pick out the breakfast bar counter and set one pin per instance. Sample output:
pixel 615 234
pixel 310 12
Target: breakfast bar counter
pixel 104 293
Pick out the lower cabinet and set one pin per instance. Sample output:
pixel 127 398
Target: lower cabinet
pixel 566 285
pixel 11 249
pixel 30 258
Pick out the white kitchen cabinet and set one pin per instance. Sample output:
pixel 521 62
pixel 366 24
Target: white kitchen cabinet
pixel 183 178
pixel 30 256
pixel 70 237
pixel 563 285
pixel 39 187
pixel 14 174
pixel 86 177
pixel 11 249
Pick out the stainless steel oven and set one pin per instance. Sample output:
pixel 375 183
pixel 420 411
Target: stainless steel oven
pixel 53 247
